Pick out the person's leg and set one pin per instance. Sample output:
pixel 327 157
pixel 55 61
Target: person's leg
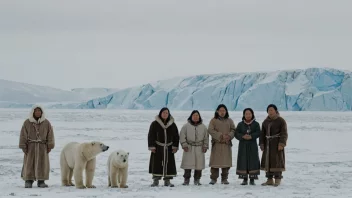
pixel 214 175
pixel 197 176
pixel 278 177
pixel 245 179
pixel 225 175
pixel 270 180
pixel 252 177
pixel 187 176
pixel 155 181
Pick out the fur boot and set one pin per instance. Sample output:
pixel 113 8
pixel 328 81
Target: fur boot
pixel 41 184
pixel 277 182
pixel 28 184
pixel 268 182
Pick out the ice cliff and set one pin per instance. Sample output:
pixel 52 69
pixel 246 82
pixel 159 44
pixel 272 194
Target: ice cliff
pixel 313 89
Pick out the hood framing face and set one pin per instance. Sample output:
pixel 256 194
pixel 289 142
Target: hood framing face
pixel 31 116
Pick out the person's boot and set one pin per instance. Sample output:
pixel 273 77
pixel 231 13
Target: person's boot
pixel 251 182
pixel 197 176
pixel 212 182
pixel 41 184
pixel 168 183
pixel 277 182
pixel 186 182
pixel 268 182
pixel 244 182
pixel 197 182
pixel 155 183
pixel 224 181
pixel 28 184
pixel 224 176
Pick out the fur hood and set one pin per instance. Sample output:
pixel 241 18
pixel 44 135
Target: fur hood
pixel 31 117
pixel 274 118
pixel 171 121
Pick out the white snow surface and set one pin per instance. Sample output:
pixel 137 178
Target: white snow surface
pixel 318 155
pixel 313 89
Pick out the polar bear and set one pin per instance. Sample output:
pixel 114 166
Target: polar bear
pixel 76 157
pixel 118 168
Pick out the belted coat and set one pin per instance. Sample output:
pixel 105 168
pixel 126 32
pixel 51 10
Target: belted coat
pixel 164 138
pixel 36 138
pixel 273 134
pixel 195 137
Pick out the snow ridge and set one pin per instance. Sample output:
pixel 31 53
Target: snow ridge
pixel 17 94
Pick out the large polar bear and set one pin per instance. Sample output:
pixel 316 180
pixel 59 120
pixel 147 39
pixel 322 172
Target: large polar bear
pixel 118 169
pixel 76 157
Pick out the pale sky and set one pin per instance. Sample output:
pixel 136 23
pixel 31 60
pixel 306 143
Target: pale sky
pixel 71 43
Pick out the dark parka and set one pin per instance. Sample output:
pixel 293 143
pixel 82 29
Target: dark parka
pixel 163 138
pixel 248 156
pixel 276 128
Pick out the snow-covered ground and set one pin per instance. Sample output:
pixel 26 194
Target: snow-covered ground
pixel 318 154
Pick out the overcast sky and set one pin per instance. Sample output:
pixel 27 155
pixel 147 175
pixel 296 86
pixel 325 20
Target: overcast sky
pixel 70 43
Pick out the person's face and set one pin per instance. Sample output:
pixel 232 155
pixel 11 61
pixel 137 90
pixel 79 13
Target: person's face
pixel 271 112
pixel 165 114
pixel 248 115
pixel 222 112
pixel 37 113
pixel 195 117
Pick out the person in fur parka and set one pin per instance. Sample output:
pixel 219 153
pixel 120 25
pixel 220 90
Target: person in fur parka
pixel 272 141
pixel 163 142
pixel 194 139
pixel 36 141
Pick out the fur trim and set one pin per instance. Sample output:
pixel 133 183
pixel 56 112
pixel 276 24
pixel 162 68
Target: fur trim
pixel 248 123
pixel 248 172
pixel 194 124
pixel 41 119
pixel 171 121
pixel 273 118
pixel 283 145
pixel 273 169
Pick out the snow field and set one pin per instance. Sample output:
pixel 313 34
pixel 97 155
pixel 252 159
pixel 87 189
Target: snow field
pixel 318 155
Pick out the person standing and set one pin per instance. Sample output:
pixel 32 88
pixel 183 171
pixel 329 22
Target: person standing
pixel 194 139
pixel 222 130
pixel 163 141
pixel 247 132
pixel 36 141
pixel 272 141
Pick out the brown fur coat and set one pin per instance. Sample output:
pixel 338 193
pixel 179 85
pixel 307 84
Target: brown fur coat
pixel 36 164
pixel 273 160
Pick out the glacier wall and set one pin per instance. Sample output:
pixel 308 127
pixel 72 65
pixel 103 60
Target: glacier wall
pixel 313 89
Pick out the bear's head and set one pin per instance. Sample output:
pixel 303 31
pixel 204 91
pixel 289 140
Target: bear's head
pixel 121 157
pixel 92 149
pixel 100 146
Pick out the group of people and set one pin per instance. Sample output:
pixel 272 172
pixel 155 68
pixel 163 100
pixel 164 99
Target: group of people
pixel 37 140
pixel 164 139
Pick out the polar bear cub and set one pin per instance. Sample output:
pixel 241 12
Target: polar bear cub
pixel 118 169
pixel 75 158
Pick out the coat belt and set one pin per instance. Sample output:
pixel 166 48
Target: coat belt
pixel 273 136
pixel 163 144
pixel 37 141
pixel 195 143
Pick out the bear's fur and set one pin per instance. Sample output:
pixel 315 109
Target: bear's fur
pixel 118 169
pixel 76 157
